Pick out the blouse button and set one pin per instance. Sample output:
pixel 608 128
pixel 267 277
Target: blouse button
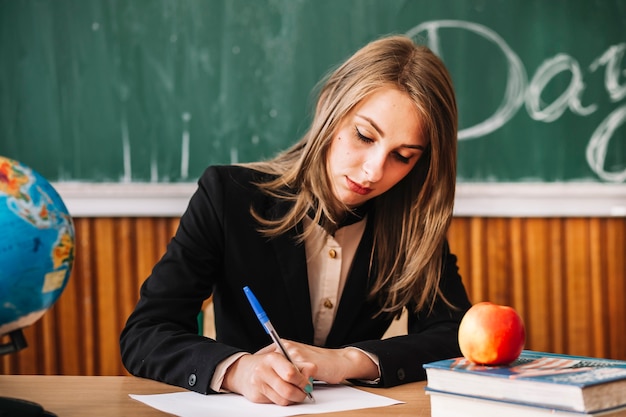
pixel 332 253
pixel 328 303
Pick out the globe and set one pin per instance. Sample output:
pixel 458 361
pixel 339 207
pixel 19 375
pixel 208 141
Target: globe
pixel 36 246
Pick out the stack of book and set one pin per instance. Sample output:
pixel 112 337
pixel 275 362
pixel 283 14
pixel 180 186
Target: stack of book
pixel 536 384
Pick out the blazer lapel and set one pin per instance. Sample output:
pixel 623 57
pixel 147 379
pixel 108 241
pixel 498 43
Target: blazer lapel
pixel 292 264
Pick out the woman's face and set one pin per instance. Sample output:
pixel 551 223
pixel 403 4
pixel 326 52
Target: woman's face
pixel 375 146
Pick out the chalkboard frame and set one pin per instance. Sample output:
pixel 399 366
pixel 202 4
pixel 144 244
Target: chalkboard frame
pixel 472 200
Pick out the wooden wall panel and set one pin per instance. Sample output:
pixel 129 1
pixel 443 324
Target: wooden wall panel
pixel 566 277
pixel 79 334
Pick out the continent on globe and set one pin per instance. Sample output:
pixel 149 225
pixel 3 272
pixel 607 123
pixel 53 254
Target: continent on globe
pixel 37 245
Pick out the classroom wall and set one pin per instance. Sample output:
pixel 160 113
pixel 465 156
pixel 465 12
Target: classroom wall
pixel 123 103
pixel 566 277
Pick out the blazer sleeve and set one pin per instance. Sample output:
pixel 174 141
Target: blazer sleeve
pixel 431 335
pixel 160 340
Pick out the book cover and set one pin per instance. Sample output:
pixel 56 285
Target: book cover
pixel 576 383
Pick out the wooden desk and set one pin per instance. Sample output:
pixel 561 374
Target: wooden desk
pixel 79 396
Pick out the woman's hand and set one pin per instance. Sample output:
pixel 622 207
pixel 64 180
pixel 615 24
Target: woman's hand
pixel 268 377
pixel 333 365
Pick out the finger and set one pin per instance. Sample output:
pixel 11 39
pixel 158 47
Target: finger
pixel 275 397
pixel 300 352
pixel 301 375
pixel 263 383
pixel 293 375
pixel 283 392
pixel 307 369
pixel 267 349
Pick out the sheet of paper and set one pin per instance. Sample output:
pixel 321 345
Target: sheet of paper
pixel 328 398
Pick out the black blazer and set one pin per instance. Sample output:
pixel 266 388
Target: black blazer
pixel 217 251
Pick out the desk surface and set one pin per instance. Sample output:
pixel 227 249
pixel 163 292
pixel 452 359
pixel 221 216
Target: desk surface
pixel 73 396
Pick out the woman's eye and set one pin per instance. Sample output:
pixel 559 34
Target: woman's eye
pixel 398 156
pixel 401 158
pixel 361 136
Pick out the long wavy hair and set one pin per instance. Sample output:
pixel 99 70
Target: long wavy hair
pixel 412 218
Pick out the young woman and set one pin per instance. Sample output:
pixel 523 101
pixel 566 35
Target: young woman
pixel 335 236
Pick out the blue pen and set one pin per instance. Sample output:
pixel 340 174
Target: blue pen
pixel 267 325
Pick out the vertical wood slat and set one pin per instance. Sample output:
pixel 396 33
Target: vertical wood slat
pixel 82 276
pixel 128 251
pixel 106 283
pixel 615 264
pixel 578 294
pixel 518 269
pixel 599 291
pixel 535 299
pixel 556 262
pixel 567 277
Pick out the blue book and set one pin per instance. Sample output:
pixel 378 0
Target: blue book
pixel 564 382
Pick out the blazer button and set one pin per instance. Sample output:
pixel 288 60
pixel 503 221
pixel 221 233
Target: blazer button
pixel 192 380
pixel 401 375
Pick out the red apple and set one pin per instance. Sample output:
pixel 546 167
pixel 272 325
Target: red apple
pixel 491 334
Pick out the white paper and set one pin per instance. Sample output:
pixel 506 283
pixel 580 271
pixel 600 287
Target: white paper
pixel 328 398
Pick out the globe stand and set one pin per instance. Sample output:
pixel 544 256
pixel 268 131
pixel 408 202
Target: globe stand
pixel 17 342
pixel 16 407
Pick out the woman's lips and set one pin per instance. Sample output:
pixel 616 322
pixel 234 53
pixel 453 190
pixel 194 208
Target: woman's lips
pixel 353 186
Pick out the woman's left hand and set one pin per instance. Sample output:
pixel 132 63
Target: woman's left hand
pixel 333 365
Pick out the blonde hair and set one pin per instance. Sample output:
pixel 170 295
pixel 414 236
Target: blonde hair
pixel 411 219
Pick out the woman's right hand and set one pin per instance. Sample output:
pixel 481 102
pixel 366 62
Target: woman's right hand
pixel 268 377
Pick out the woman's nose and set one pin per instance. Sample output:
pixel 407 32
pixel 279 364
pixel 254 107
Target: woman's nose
pixel 374 167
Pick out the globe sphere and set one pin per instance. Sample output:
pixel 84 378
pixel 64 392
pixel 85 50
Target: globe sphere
pixel 36 245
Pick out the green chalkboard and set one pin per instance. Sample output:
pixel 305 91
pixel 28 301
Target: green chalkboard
pixel 156 90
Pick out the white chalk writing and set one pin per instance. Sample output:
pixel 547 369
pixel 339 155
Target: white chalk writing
pixel 519 91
